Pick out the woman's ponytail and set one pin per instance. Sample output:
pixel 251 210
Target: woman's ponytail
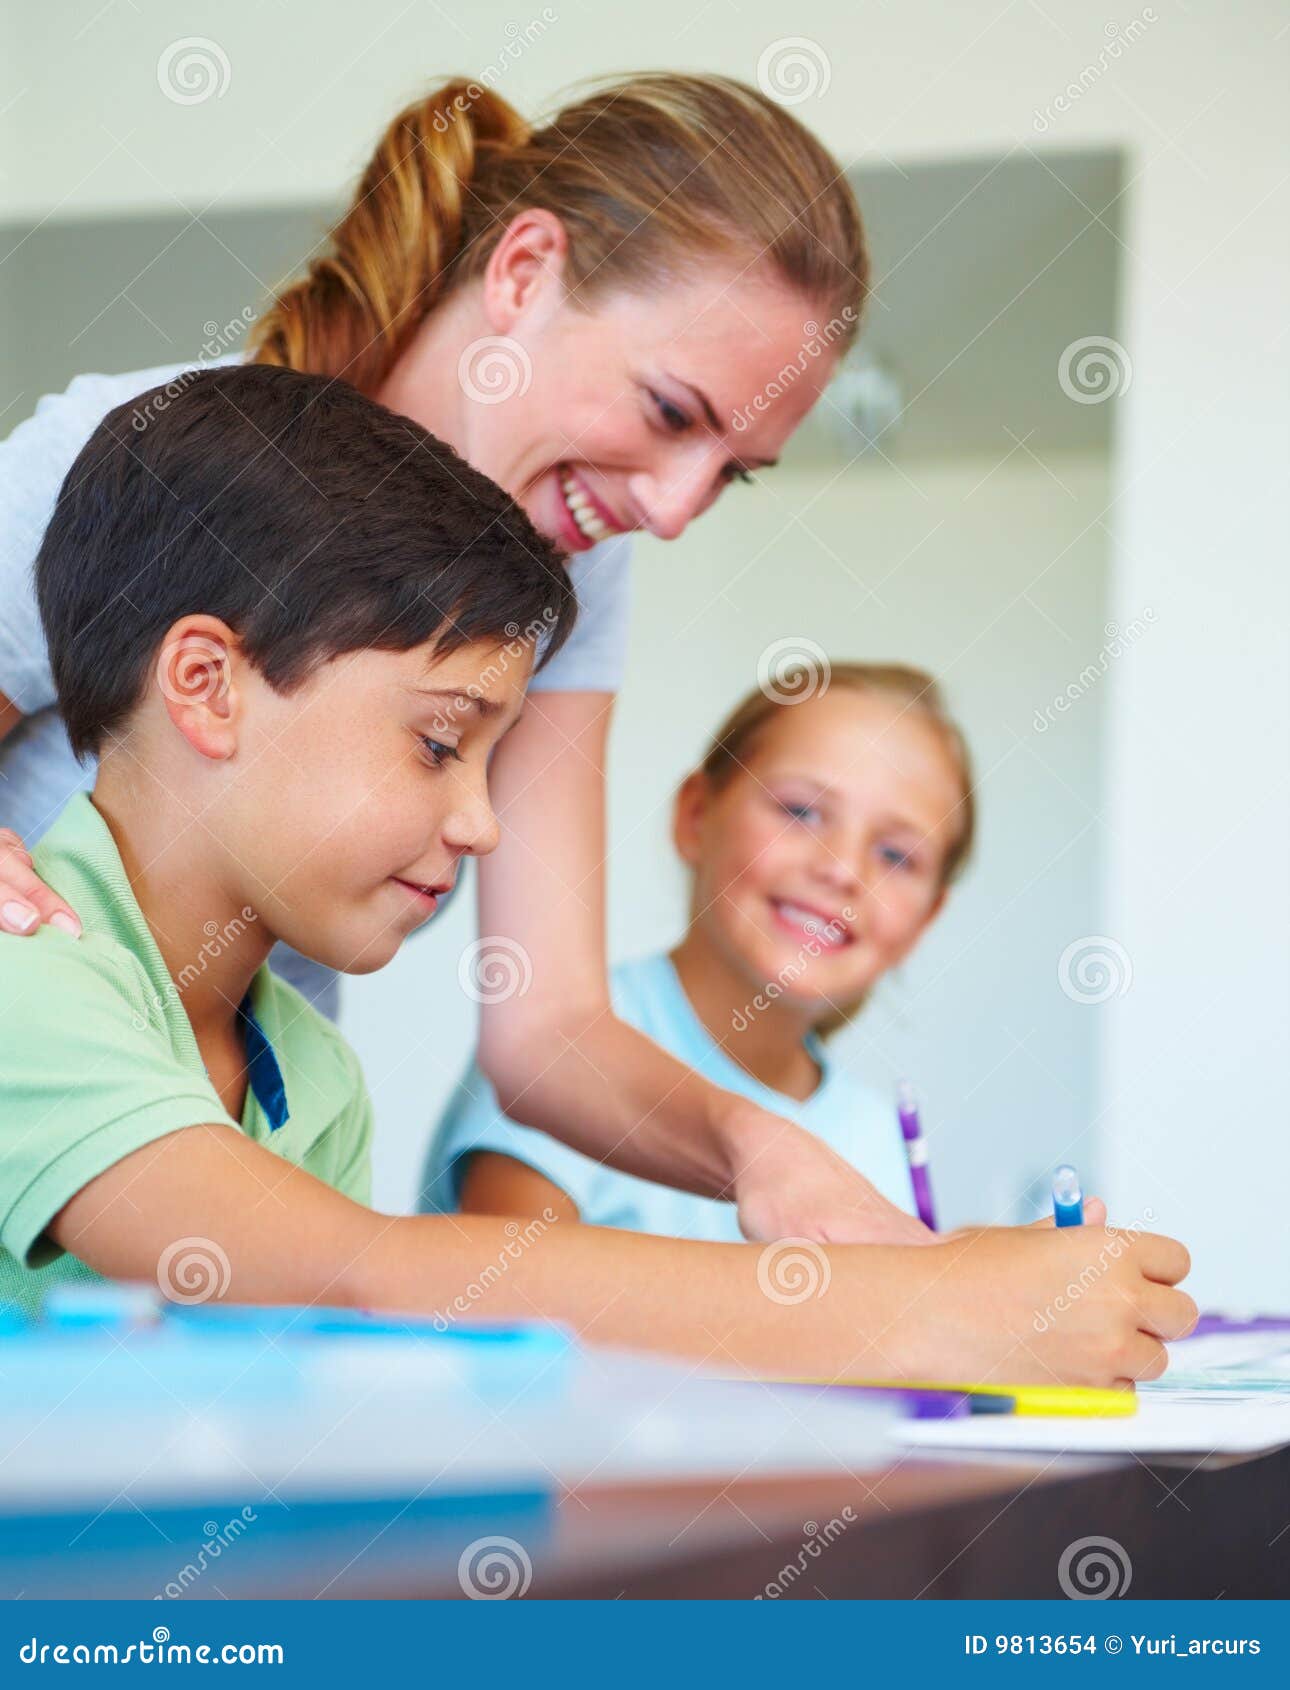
pixel 389 257
pixel 644 173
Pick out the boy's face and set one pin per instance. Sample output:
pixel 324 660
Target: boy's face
pixel 354 798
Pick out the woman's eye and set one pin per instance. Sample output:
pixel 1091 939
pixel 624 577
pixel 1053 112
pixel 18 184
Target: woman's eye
pixel 673 417
pixel 437 752
pixel 800 812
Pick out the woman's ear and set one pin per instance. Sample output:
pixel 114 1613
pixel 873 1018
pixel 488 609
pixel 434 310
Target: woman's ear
pixel 688 811
pixel 196 675
pixel 528 257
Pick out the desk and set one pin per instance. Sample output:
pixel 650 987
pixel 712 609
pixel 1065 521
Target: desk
pixel 334 1479
pixel 921 1528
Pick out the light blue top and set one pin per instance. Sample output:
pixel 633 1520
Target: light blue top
pixel 38 772
pixel 855 1119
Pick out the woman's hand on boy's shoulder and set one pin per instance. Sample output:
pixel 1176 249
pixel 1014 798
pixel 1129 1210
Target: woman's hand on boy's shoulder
pixel 25 900
pixel 790 1184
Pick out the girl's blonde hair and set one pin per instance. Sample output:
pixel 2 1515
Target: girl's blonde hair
pixel 646 174
pixel 919 694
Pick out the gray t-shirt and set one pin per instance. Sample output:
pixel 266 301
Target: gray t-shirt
pixel 38 772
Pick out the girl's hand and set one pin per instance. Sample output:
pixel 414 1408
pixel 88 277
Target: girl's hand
pixel 789 1184
pixel 25 900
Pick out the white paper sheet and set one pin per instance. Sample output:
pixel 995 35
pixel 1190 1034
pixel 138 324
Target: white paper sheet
pixel 1223 1394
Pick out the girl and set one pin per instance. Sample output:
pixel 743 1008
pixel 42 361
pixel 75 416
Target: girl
pixel 592 310
pixel 821 836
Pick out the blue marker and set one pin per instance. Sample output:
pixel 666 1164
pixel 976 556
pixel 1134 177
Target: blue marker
pixel 1068 1199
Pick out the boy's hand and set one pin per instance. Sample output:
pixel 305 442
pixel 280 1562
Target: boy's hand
pixel 788 1184
pixel 1088 1305
pixel 25 900
pixel 1094 1214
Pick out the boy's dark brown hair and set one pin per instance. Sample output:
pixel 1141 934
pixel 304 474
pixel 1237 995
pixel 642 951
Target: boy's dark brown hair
pixel 309 518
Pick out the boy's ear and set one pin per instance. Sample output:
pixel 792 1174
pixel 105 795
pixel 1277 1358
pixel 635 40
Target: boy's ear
pixel 196 675
pixel 688 810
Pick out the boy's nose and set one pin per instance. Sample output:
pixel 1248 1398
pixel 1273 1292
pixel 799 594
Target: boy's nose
pixel 471 826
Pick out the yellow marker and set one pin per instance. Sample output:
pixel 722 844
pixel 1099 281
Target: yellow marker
pixel 1073 1399
pixel 1081 1400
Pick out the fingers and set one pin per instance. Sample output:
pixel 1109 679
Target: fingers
pixel 1163 1315
pixel 1144 1357
pixel 1166 1313
pixel 25 900
pixel 1094 1215
pixel 1163 1259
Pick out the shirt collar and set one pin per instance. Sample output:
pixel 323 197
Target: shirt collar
pixel 262 1069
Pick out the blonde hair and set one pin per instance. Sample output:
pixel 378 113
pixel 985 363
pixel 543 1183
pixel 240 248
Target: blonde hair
pixel 918 692
pixel 644 173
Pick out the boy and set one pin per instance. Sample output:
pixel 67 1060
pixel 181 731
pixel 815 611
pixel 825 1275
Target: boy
pixel 293 626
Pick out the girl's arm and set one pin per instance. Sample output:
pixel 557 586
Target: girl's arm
pixel 494 1184
pixel 964 1309
pixel 559 1058
pixel 10 716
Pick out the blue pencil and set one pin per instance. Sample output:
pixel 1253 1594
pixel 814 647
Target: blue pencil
pixel 1068 1199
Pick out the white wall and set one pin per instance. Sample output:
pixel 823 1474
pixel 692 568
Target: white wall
pixel 989 572
pixel 1197 813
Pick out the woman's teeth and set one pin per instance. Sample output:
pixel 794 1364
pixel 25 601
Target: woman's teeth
pixel 580 509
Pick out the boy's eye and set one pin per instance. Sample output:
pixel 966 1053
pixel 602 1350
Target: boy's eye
pixel 673 417
pixel 800 812
pixel 437 752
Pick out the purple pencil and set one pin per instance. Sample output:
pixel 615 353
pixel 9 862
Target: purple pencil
pixel 916 1150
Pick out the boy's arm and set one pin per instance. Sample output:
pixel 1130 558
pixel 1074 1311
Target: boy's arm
pixel 963 1309
pixel 494 1184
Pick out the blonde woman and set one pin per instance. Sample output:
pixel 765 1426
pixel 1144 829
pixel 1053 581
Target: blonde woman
pixel 592 310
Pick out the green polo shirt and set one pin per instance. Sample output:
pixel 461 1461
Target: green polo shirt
pixel 98 1058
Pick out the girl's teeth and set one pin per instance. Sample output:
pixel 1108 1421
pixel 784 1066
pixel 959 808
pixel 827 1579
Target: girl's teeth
pixel 581 511
pixel 827 932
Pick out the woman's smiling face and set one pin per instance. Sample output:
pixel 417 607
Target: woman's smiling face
pixel 630 419
pixel 633 412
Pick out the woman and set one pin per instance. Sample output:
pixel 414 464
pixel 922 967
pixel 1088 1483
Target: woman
pixel 601 314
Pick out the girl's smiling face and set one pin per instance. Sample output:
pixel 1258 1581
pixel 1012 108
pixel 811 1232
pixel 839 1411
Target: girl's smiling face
pixel 819 863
